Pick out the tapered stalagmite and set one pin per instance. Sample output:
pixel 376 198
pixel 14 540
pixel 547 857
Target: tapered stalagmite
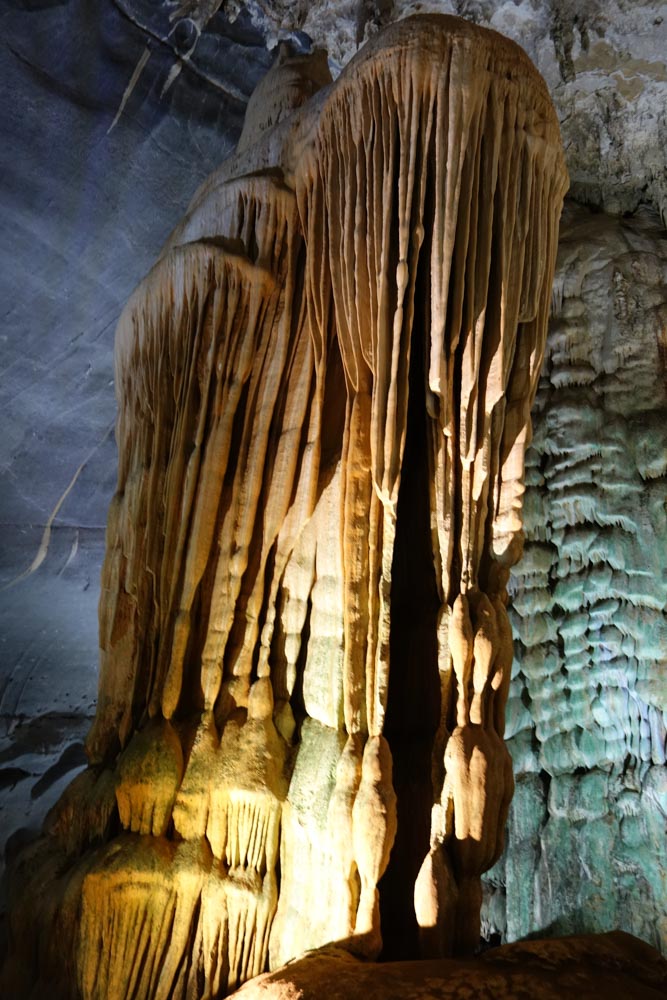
pixel 374 269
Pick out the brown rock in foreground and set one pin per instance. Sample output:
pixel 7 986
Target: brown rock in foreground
pixel 615 965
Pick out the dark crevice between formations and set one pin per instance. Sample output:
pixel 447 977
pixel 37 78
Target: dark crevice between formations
pixel 413 710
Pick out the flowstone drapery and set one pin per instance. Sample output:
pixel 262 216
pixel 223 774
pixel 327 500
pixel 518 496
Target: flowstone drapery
pixel 324 392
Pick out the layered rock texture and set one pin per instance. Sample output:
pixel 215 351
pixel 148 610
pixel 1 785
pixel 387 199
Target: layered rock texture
pixel 324 393
pixel 586 711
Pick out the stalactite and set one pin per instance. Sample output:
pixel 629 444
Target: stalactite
pixel 471 135
pixel 391 240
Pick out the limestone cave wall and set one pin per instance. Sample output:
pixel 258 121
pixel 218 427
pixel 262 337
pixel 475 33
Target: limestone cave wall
pixel 586 843
pixel 111 123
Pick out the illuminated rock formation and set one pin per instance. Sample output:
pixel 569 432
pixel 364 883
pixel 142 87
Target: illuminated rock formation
pixel 324 393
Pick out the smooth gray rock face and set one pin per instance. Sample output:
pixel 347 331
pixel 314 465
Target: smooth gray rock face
pixel 85 211
pixel 88 197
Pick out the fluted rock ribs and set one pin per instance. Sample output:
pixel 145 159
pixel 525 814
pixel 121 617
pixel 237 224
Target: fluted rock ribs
pixel 375 269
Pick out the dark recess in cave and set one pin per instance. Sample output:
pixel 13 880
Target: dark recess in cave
pixel 413 710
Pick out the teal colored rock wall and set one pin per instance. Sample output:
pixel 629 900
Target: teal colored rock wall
pixel 586 841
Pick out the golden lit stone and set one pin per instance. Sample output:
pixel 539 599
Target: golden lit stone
pixel 324 390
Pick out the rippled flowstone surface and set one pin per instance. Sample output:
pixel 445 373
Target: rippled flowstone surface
pixel 587 710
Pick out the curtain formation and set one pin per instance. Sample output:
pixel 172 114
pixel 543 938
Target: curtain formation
pixel 387 251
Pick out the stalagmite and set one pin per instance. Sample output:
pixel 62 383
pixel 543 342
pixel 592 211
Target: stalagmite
pixel 324 392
